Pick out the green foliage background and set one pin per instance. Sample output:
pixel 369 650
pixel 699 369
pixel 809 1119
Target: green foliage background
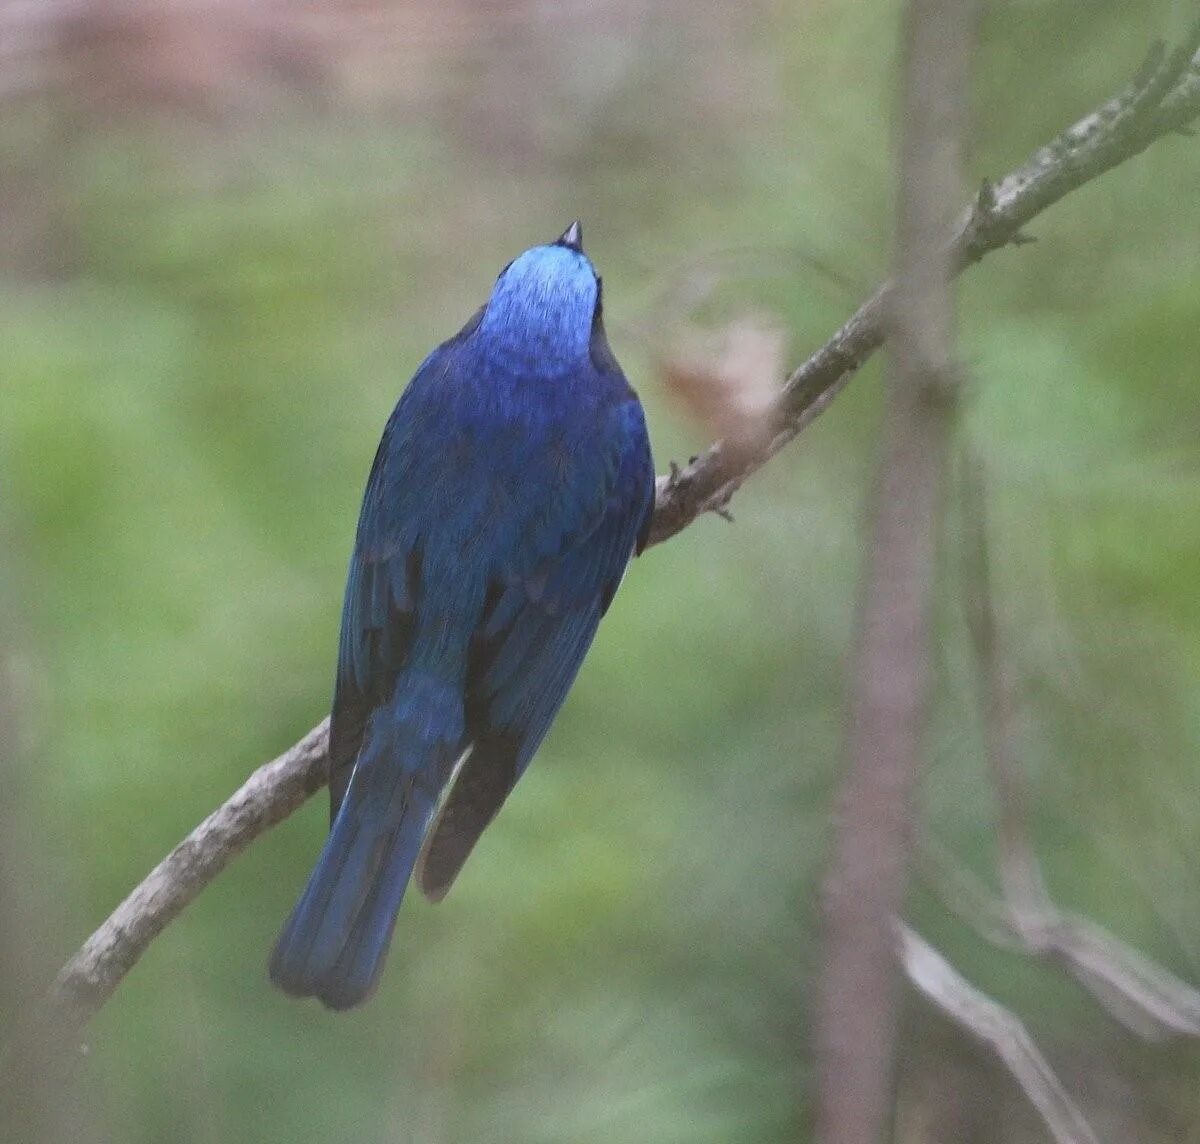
pixel 196 363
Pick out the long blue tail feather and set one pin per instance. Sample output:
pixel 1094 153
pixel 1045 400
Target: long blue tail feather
pixel 335 942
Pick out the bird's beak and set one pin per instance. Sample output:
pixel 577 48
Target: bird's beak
pixel 572 237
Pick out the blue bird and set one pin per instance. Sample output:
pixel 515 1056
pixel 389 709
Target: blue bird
pixel 511 488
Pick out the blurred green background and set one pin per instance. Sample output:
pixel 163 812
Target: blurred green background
pixel 230 232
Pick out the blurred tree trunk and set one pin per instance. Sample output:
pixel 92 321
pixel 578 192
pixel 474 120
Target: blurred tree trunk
pixel 856 1031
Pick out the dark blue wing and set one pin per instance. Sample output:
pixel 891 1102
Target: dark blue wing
pixel 539 620
pixel 378 616
pixel 383 584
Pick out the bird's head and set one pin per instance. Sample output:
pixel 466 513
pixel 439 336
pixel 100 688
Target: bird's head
pixel 546 302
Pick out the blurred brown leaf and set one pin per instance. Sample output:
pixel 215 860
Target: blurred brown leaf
pixel 728 379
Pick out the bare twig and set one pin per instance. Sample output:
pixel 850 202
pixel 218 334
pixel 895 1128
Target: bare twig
pixel 1142 995
pixel 967 896
pixel 1147 999
pixel 1082 153
pixel 993 1025
pixel 1096 143
pixel 857 1002
pixel 267 797
pixel 1020 873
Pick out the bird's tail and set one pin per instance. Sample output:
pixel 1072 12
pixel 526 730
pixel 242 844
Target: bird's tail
pixel 335 943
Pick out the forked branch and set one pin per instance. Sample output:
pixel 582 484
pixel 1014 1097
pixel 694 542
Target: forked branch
pixel 1146 998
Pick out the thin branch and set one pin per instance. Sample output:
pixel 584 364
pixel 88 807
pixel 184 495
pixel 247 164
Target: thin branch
pixel 1143 996
pixel 997 1028
pixel 1147 999
pixel 1088 149
pixel 1020 873
pixel 267 797
pixel 966 895
pixel 1112 134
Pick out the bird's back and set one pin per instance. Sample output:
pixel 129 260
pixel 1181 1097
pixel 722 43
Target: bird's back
pixel 511 487
pixel 490 469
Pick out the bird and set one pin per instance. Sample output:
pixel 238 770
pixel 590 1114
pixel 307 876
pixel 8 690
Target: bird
pixel 512 486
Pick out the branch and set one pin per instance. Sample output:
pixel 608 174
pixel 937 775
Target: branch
pixel 1020 872
pixel 1115 132
pixel 993 1025
pixel 1092 146
pixel 1146 998
pixel 267 797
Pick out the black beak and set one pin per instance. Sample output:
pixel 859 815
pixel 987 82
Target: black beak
pixel 572 237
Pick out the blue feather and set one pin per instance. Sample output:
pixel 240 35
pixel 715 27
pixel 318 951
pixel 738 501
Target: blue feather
pixel 512 486
pixel 334 944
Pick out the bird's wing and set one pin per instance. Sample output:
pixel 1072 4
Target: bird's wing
pixel 378 619
pixel 383 583
pixel 539 621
